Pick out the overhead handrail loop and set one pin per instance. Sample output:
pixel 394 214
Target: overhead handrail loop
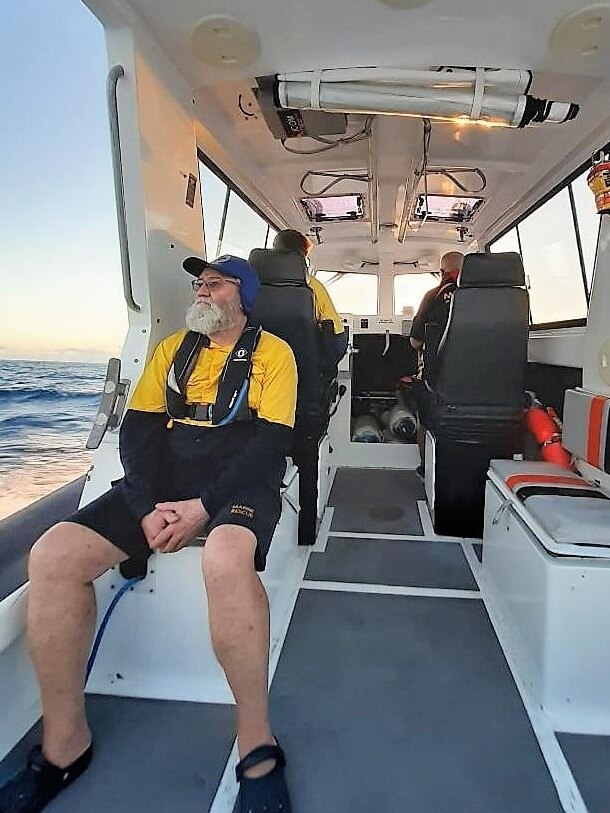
pixel 114 74
pixel 477 98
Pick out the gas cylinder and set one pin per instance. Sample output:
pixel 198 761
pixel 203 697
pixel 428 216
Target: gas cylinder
pixel 366 429
pixel 402 423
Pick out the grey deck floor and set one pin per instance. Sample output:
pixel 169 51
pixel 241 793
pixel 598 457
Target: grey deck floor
pixel 589 760
pixel 392 562
pixel 399 703
pixel 379 500
pixel 150 755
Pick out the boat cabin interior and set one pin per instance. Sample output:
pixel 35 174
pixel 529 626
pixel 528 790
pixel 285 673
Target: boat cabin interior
pixel 438 640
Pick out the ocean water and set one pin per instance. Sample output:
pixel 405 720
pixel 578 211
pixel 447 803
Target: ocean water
pixel 46 413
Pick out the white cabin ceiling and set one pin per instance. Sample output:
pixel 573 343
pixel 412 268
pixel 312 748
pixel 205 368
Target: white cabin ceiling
pixel 318 34
pixel 347 33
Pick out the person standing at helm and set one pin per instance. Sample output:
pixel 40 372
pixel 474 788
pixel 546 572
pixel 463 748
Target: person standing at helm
pixel 203 446
pixel 427 330
pixel 292 240
pixel 434 307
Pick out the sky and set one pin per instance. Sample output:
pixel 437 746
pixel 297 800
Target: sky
pixel 60 281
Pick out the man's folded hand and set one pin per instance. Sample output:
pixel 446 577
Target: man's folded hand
pixel 152 525
pixel 182 521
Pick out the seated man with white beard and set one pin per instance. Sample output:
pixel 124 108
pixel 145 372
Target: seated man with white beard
pixel 203 445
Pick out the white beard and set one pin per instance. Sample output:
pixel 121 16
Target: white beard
pixel 208 318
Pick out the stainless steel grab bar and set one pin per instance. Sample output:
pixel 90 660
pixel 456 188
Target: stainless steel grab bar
pixel 114 75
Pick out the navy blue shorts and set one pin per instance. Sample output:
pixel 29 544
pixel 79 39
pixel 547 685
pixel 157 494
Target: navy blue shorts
pixel 257 508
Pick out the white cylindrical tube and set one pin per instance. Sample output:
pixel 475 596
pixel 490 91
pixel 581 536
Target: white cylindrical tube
pixel 461 99
pixel 362 99
pixel 508 79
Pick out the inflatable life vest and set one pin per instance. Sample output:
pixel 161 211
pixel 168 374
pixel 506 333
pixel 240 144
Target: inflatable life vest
pixel 544 426
pixel 232 396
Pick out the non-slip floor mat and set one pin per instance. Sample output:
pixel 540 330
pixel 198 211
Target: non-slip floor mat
pixel 400 703
pixel 589 760
pixel 393 562
pixel 156 756
pixel 376 501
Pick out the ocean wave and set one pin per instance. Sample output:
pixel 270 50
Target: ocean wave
pixel 54 423
pixel 46 394
pixel 46 413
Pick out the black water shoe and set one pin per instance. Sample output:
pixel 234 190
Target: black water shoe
pixel 267 793
pixel 32 788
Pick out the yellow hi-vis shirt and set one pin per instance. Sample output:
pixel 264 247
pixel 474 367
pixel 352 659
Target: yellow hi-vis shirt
pixel 273 381
pixel 325 310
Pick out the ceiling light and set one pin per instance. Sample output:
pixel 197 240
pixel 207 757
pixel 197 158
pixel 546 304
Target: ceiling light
pixel 224 42
pixel 582 34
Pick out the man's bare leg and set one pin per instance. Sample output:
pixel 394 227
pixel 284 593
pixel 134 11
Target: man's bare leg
pixel 239 625
pixel 60 623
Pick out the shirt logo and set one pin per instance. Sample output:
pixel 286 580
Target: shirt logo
pixel 242 510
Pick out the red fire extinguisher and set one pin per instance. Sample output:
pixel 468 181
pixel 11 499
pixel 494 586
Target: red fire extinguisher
pixel 545 426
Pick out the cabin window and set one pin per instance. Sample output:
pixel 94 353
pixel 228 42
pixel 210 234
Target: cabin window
pixel 334 208
pixel 552 262
pixel 352 292
pixel 231 224
pixel 446 208
pixel 244 229
pixel 558 243
pixel 588 223
pixel 510 242
pixel 271 232
pixel 213 197
pixel 409 290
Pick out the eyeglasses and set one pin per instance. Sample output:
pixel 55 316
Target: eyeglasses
pixel 212 285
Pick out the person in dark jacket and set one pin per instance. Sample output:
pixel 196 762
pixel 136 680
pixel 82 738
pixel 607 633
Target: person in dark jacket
pixel 434 307
pixel 429 325
pixel 192 469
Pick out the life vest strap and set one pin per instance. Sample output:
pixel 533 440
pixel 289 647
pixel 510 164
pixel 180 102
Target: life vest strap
pixel 232 396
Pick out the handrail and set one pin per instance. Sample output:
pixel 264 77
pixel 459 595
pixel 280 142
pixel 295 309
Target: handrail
pixel 114 75
pixel 373 179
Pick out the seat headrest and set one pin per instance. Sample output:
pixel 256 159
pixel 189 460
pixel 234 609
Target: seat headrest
pixel 279 267
pixel 486 270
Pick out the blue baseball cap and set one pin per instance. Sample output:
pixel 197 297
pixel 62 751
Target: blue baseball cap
pixel 230 266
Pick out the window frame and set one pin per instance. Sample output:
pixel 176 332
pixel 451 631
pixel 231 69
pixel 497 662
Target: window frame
pixel 566 182
pixel 231 187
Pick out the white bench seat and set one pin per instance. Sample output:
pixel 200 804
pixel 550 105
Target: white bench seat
pixel 546 556
pixel 570 516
